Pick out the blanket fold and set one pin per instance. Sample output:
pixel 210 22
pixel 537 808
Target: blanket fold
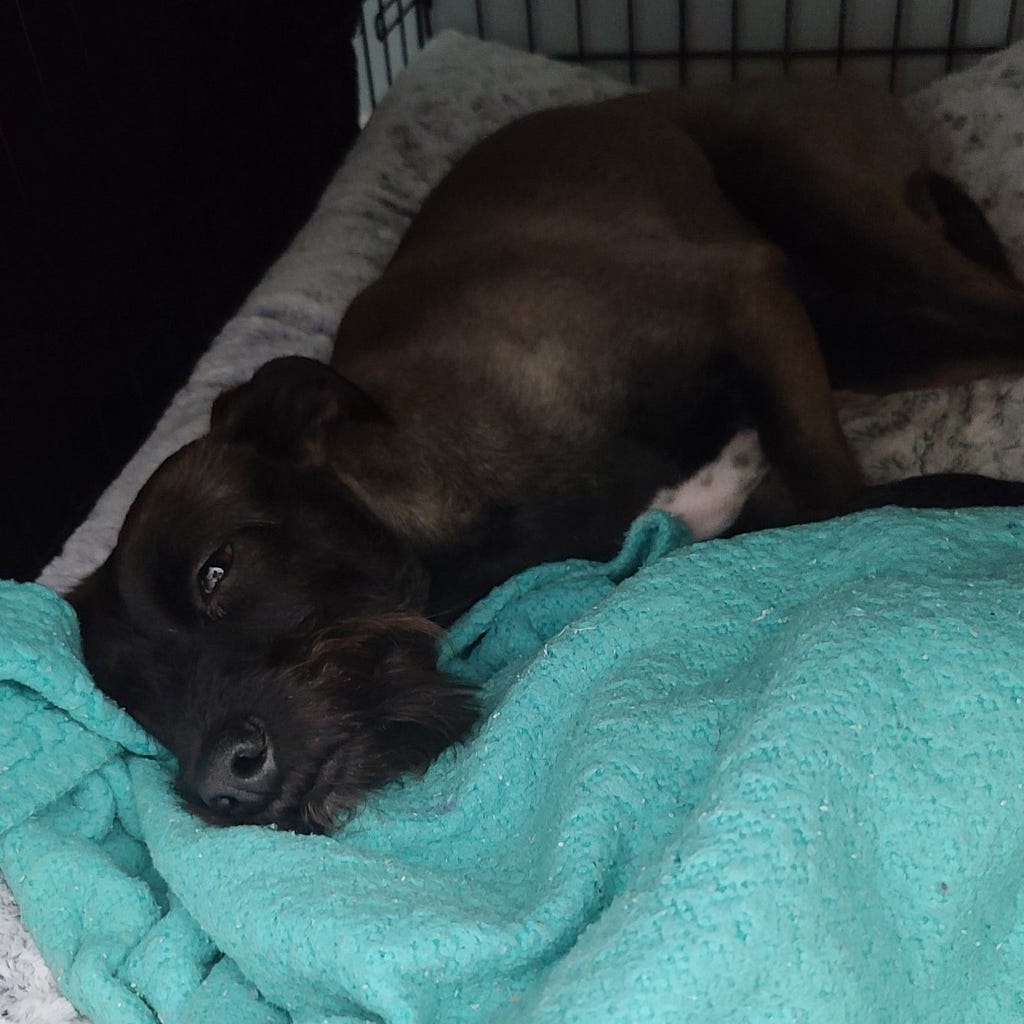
pixel 56 708
pixel 774 778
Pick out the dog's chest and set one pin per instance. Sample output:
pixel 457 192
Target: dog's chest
pixel 710 501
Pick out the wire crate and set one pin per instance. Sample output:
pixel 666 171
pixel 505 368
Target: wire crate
pixel 655 43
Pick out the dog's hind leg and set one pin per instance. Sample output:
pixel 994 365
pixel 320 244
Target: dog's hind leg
pixel 814 474
pixel 901 274
pixel 785 383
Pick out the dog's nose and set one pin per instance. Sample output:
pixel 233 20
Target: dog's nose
pixel 237 774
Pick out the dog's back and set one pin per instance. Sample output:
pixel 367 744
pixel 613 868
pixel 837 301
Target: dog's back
pixel 590 304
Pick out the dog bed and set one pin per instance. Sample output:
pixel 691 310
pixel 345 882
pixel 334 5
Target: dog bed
pixel 775 778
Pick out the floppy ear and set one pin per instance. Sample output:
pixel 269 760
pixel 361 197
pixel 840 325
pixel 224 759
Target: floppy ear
pixel 423 712
pixel 109 645
pixel 401 712
pixel 287 406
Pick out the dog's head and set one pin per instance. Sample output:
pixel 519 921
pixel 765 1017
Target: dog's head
pixel 263 625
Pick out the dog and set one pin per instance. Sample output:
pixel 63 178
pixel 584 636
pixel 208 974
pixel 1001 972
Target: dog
pixel 586 310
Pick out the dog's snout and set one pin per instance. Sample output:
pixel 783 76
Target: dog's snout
pixel 237 774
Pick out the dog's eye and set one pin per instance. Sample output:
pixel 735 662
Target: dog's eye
pixel 214 569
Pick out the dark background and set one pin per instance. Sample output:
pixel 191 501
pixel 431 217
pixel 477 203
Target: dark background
pixel 155 157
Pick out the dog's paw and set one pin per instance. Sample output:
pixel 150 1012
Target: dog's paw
pixel 710 501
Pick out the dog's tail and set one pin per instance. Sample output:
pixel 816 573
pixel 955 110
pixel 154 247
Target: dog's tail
pixel 942 490
pixel 772 504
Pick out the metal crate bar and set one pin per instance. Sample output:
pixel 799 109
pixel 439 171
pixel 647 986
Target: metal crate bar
pixel 734 40
pixel 382 30
pixel 367 63
pixel 787 35
pixel 954 19
pixel 682 42
pixel 841 37
pixel 631 41
pixel 894 52
pixel 773 53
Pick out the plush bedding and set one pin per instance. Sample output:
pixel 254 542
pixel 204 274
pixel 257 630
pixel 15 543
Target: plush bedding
pixel 613 820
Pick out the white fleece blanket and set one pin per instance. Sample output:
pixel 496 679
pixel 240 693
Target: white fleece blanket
pixel 458 91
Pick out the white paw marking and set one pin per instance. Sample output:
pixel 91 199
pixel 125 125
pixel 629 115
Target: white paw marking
pixel 710 501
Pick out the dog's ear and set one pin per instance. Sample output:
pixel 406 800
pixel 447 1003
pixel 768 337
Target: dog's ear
pixel 109 642
pixel 287 406
pixel 400 711
pixel 423 712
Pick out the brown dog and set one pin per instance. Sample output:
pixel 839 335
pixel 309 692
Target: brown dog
pixel 583 313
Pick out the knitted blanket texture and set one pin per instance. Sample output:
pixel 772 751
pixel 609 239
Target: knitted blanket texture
pixel 778 778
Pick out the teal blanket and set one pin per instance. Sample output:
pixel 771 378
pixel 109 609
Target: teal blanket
pixel 773 779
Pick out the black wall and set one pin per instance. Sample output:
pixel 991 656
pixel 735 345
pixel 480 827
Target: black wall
pixel 154 158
